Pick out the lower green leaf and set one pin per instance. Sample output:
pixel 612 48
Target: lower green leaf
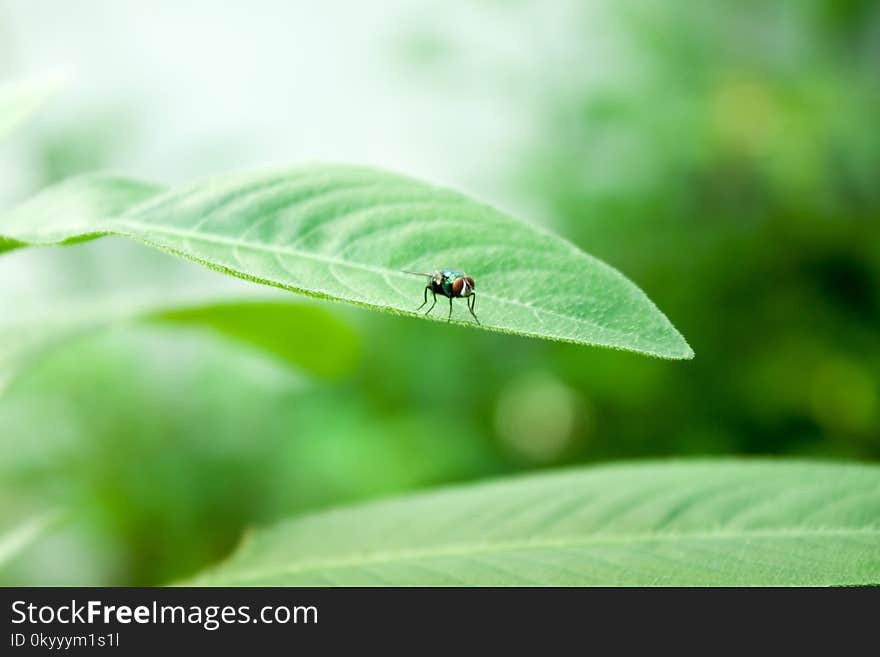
pixel 722 523
pixel 98 286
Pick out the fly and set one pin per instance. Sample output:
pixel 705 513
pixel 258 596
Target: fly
pixel 450 283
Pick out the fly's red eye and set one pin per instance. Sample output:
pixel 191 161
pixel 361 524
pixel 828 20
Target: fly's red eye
pixel 470 281
pixel 457 286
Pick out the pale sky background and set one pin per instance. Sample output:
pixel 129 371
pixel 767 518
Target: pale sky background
pixel 443 91
pixel 202 87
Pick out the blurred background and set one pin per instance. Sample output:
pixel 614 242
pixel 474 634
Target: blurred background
pixel 725 156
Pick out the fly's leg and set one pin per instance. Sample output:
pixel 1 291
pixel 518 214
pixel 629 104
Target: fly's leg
pixel 434 294
pixel 425 303
pixel 472 301
pixel 449 319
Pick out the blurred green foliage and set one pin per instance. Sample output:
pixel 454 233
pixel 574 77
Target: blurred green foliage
pixel 164 444
pixel 736 176
pixel 728 162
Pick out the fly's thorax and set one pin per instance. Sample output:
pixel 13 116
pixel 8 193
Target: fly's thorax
pixel 441 288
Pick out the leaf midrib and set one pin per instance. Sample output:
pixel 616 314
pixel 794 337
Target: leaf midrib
pixel 284 250
pixel 469 550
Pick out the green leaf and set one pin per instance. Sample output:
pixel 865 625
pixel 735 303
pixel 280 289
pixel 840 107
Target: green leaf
pixel 18 100
pixel 709 523
pixel 80 291
pixel 300 333
pixel 345 233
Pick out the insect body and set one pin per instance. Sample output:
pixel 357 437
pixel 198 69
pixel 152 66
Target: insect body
pixel 450 283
